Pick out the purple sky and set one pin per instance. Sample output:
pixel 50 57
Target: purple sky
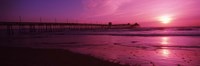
pixel 145 12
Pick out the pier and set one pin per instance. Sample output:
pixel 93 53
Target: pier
pixel 32 27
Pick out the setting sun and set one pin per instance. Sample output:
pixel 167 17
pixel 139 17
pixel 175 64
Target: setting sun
pixel 165 19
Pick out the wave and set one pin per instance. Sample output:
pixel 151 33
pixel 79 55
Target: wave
pixel 155 34
pixel 158 31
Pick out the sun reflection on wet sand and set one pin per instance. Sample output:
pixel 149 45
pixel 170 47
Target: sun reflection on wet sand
pixel 165 52
pixel 164 40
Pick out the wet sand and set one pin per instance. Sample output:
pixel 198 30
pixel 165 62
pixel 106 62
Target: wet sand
pixel 124 50
pixel 16 56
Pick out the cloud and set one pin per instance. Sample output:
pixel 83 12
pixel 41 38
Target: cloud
pixel 102 7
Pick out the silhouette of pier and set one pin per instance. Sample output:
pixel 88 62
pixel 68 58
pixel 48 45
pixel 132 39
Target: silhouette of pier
pixel 12 27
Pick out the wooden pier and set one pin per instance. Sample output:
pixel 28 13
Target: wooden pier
pixel 11 27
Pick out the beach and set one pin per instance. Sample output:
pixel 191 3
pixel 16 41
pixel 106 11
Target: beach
pixel 19 56
pixel 100 33
pixel 104 48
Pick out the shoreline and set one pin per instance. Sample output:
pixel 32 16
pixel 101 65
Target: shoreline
pixel 19 56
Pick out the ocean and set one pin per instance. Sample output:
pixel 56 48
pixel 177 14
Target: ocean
pixel 172 46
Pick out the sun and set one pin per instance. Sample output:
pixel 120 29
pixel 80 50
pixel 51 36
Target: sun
pixel 165 19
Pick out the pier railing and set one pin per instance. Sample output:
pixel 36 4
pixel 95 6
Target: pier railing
pixel 12 27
